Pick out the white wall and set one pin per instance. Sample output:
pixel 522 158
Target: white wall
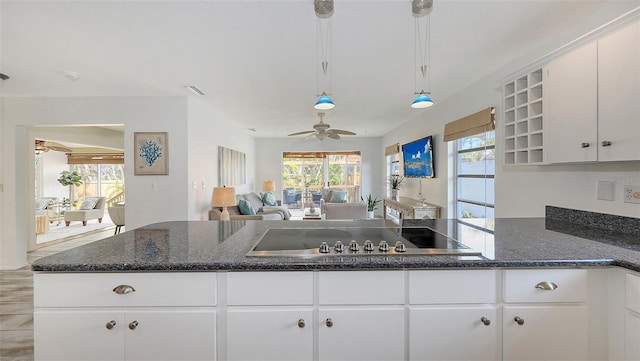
pixel 207 130
pixel 150 199
pixel 52 164
pixel 269 159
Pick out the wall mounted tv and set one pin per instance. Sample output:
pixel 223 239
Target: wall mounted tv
pixel 417 158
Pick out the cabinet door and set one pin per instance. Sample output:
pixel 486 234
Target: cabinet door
pixel 361 334
pixel 570 101
pixel 631 337
pixel 170 335
pixel 269 334
pixel 453 334
pixel 546 333
pixel 78 335
pixel 618 89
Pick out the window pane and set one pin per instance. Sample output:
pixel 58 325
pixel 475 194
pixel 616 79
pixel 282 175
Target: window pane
pixel 112 180
pixel 477 215
pixel 477 239
pixel 476 141
pixel 476 189
pixel 89 186
pixel 478 162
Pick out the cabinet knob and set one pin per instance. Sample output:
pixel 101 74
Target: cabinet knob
pixel 133 325
pixel 547 286
pixel 606 143
pixel 485 320
pixel 301 323
pixel 111 324
pixel 584 145
pixel 329 322
pixel 519 320
pixel 123 289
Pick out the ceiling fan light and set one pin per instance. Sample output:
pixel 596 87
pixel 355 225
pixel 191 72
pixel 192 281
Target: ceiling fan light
pixel 324 103
pixel 422 101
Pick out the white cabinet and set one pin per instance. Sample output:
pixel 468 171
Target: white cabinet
pixel 82 317
pixel 591 100
pixel 618 94
pixel 453 308
pixel 545 316
pixel 571 105
pixel 269 333
pixel 632 317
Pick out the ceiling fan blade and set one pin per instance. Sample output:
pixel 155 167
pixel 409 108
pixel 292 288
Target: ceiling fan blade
pixel 310 135
pixel 340 131
pixel 334 136
pixel 300 133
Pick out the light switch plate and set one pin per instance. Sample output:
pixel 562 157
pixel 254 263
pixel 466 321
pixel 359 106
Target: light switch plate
pixel 632 194
pixel 605 190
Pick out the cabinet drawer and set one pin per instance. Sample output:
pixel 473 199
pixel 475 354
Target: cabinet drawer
pixel 437 287
pixel 97 290
pixel 567 285
pixel 633 292
pixel 361 287
pixel 269 288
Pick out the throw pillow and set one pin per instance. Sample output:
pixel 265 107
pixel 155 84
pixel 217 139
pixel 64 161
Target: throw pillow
pixel 338 196
pixel 326 195
pixel 269 199
pixel 42 203
pixel 89 203
pixel 245 208
pixel 255 200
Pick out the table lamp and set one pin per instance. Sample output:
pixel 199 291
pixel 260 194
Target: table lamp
pixel 269 186
pixel 223 197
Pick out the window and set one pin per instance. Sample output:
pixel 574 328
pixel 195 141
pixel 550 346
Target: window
pixel 475 171
pixel 105 180
pixel 312 172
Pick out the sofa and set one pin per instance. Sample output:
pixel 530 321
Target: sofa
pixel 42 205
pixel 345 211
pixel 332 196
pixel 262 211
pixel 91 208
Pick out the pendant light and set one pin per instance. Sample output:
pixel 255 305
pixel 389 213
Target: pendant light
pixel 422 9
pixel 324 10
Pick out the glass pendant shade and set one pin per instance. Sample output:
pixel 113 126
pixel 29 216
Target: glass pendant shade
pixel 422 101
pixel 324 102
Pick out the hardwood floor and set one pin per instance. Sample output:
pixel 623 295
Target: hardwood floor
pixel 16 300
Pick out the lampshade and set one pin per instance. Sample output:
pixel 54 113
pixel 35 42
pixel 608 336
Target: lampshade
pixel 324 102
pixel 223 196
pixel 422 101
pixel 269 186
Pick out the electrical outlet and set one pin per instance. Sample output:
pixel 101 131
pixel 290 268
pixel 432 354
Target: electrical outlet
pixel 632 194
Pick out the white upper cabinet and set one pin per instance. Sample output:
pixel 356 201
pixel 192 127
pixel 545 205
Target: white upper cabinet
pixel 619 95
pixel 571 101
pixel 592 106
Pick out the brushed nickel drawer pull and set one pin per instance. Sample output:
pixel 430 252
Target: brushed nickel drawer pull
pixel 584 145
pixel 547 286
pixel 123 289
pixel 301 323
pixel 111 324
pixel 606 143
pixel 485 320
pixel 519 320
pixel 329 322
pixel 133 325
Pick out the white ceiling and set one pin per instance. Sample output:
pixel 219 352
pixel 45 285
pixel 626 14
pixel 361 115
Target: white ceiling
pixel 256 60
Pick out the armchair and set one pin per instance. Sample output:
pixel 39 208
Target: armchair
pixel 91 208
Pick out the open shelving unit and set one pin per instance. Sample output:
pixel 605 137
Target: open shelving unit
pixel 523 119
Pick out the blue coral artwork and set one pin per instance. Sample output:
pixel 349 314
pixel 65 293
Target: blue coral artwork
pixel 152 153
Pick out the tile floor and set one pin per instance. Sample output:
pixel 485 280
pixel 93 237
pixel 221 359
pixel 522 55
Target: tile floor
pixel 16 301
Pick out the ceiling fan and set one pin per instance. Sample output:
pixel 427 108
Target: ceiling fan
pixel 322 131
pixel 43 146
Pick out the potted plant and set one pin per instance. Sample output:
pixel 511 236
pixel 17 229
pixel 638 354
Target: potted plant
pixel 395 181
pixel 372 204
pixel 69 179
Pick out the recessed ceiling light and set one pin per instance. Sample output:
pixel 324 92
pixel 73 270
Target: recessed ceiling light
pixel 194 89
pixel 71 75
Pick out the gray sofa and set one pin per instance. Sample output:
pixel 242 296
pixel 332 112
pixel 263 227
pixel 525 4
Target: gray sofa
pixel 345 211
pixel 263 212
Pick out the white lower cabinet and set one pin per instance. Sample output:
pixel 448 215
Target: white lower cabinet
pixel 375 333
pixel 116 335
pixel 632 317
pixel 468 333
pixel 269 334
pixel 545 333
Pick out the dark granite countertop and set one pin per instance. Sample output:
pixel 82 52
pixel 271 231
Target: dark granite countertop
pixel 212 245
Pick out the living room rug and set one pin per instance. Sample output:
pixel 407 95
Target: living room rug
pixel 60 231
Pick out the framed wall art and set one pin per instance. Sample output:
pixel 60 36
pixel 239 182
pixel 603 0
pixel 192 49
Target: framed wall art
pixel 232 168
pixel 151 153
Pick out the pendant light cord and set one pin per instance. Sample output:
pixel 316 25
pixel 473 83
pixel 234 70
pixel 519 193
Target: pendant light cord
pixel 323 50
pixel 425 53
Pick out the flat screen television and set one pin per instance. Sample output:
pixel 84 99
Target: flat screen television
pixel 417 158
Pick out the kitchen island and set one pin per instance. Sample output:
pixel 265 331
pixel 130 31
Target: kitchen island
pixel 187 291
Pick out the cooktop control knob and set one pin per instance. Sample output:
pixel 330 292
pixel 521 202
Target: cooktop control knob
pixel 368 246
pixel 339 247
pixel 400 247
pixel 383 246
pixel 353 246
pixel 324 247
